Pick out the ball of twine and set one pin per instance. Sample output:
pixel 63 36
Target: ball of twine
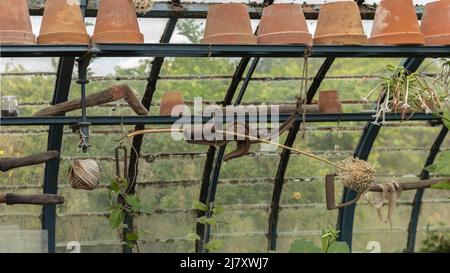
pixel 84 174
pixel 143 6
pixel 356 174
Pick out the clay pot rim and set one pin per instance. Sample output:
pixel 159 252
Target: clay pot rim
pixel 285 32
pixel 441 40
pixel 341 35
pixel 138 36
pixel 251 39
pixel 415 36
pixel 19 37
pixel 356 39
pixel 304 37
pixel 54 38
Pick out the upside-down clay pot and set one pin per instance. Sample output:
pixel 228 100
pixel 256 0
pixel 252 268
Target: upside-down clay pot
pixel 15 23
pixel 62 23
pixel 283 24
pixel 228 24
pixel 339 23
pixel 436 23
pixel 168 101
pixel 117 23
pixel 329 102
pixel 396 23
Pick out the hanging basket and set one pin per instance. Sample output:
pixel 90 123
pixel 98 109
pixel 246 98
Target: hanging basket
pixel 84 174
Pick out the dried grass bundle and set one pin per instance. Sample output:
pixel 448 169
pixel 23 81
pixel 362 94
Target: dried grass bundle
pixel 84 174
pixel 356 174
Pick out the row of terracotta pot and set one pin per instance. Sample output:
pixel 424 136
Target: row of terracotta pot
pixel 395 23
pixel 328 102
pixel 63 23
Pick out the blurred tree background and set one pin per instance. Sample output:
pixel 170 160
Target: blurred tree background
pixel 169 185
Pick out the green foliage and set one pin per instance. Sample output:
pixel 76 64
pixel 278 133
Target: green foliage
pixel 214 244
pixel 339 247
pixel 329 244
pixel 436 241
pixel 304 246
pixel 211 220
pixel 444 185
pixel 193 236
pixel 131 207
pixel 116 216
pixel 190 29
pixel 200 206
pixel 442 165
pixel 329 237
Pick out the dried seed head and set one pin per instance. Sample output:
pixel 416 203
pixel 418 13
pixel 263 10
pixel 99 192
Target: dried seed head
pixel 358 174
pixel 143 6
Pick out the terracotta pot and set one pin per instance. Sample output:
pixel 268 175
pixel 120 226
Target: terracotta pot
pixel 15 23
pixel 168 101
pixel 339 23
pixel 283 24
pixel 436 23
pixel 395 23
pixel 62 23
pixel 329 102
pixel 228 24
pixel 117 23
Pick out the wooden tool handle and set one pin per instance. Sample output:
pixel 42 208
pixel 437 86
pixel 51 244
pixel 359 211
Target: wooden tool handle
pixel 37 199
pixel 8 163
pixel 111 94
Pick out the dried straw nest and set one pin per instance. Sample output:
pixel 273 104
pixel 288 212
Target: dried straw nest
pixel 356 174
pixel 143 6
pixel 84 174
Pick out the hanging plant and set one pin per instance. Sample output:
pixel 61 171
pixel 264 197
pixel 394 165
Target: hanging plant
pixel 143 6
pixel 403 92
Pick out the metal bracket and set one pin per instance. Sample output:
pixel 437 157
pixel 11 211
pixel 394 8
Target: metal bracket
pixel 83 125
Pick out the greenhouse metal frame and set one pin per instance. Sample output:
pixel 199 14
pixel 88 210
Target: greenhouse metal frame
pixel 250 56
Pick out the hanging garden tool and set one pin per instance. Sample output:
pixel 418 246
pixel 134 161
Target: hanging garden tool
pixel 349 168
pixel 360 176
pixel 36 199
pixel 8 163
pixel 111 94
pixel 125 161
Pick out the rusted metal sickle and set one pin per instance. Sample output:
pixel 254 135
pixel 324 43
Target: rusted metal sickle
pixel 125 161
pixel 329 192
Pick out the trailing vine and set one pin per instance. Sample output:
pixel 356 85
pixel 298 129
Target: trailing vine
pixel 121 203
pixel 214 210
